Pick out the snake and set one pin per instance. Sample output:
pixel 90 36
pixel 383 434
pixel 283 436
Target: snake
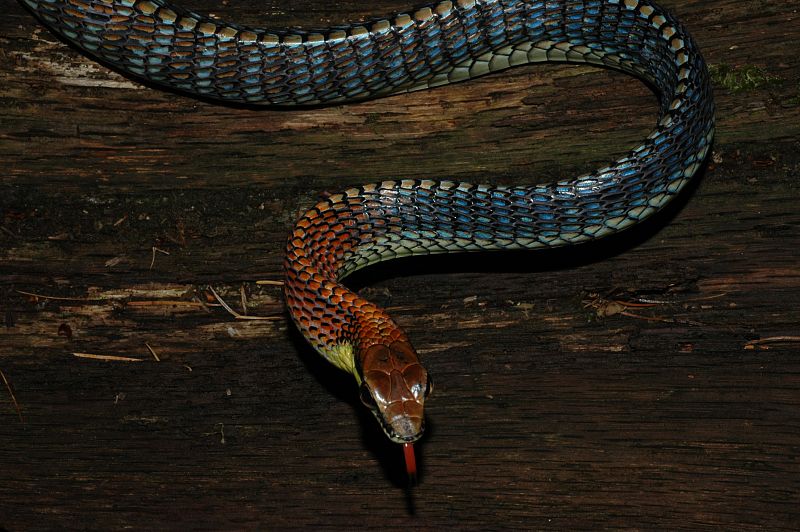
pixel 438 44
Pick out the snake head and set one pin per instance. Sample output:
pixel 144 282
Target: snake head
pixel 394 386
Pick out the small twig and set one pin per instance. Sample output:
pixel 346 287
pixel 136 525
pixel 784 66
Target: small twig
pixel 120 220
pixel 243 297
pixel 637 304
pixel 774 339
pixel 706 298
pixel 8 231
pixel 771 340
pixel 152 352
pixel 605 308
pixel 54 298
pixel 659 319
pixel 236 314
pixel 107 357
pixel 153 260
pixel 270 283
pixel 11 393
pixel 164 302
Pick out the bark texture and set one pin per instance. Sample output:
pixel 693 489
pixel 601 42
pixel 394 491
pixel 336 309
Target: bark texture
pixel 648 381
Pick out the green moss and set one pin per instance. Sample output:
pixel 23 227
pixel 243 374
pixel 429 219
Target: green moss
pixel 742 79
pixel 795 100
pixel 372 118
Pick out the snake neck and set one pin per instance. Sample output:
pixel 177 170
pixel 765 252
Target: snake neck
pixel 340 324
pixel 353 333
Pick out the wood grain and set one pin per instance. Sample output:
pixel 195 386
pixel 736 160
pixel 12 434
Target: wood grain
pixel 647 381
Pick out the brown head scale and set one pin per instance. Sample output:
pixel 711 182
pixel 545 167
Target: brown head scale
pixel 394 385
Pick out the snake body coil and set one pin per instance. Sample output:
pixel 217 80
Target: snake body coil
pixel 439 44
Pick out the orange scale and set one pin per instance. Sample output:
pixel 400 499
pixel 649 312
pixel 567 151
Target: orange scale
pixel 350 297
pixel 149 22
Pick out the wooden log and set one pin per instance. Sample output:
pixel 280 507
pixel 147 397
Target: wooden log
pixel 646 381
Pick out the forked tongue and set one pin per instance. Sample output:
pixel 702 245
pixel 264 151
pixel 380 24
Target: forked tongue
pixel 411 462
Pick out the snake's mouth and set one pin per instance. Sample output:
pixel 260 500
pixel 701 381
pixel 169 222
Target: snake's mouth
pixel 402 429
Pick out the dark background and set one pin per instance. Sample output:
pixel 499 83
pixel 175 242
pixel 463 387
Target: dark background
pixel 647 381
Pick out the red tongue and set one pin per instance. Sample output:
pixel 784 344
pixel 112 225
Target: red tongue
pixel 411 462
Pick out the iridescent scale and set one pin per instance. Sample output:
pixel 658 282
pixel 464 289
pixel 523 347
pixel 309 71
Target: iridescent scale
pixel 435 45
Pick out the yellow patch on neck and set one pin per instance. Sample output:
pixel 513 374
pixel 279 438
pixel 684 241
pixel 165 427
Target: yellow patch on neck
pixel 342 356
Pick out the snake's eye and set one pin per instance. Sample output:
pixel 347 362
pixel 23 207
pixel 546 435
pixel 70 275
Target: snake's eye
pixel 428 386
pixel 366 396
